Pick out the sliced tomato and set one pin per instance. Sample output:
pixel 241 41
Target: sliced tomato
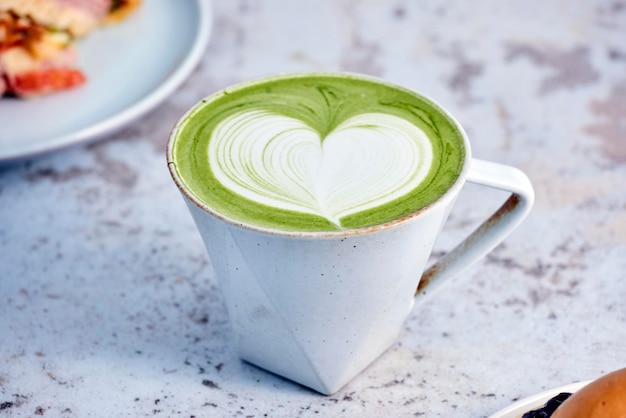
pixel 46 81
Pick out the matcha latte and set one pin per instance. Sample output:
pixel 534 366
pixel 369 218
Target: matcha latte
pixel 316 152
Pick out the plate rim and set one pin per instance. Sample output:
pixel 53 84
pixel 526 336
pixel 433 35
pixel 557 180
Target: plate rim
pixel 126 115
pixel 543 397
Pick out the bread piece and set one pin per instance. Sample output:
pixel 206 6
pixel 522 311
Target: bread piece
pixel 602 398
pixel 56 14
pixel 37 38
pixel 35 59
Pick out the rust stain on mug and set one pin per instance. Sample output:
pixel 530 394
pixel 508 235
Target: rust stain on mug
pixel 442 264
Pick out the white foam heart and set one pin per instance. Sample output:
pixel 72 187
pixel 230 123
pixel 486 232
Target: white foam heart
pixel 367 161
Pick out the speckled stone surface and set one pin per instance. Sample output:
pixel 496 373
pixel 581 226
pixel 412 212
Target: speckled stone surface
pixel 109 307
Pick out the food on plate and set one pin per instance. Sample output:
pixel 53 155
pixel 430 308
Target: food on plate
pixel 120 9
pixel 37 37
pixel 602 398
pixel 548 409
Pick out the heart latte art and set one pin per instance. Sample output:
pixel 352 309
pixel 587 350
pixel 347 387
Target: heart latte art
pixel 316 152
pixel 278 161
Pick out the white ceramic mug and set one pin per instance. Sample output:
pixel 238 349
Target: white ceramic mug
pixel 319 307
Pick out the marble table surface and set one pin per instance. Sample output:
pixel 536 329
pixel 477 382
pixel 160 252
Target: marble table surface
pixel 108 303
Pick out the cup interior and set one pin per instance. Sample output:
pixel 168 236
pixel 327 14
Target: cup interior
pixel 189 194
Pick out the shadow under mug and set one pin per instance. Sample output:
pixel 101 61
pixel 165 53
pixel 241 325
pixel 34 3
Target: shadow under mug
pixel 319 307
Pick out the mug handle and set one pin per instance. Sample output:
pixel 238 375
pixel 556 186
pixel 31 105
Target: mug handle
pixel 491 232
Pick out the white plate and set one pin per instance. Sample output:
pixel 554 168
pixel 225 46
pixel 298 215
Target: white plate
pixel 131 67
pixel 537 401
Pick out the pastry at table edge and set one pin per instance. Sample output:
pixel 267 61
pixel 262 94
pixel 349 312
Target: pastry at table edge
pixel 37 37
pixel 602 398
pixel 605 397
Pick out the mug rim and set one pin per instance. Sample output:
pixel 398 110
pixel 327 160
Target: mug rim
pixel 452 190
